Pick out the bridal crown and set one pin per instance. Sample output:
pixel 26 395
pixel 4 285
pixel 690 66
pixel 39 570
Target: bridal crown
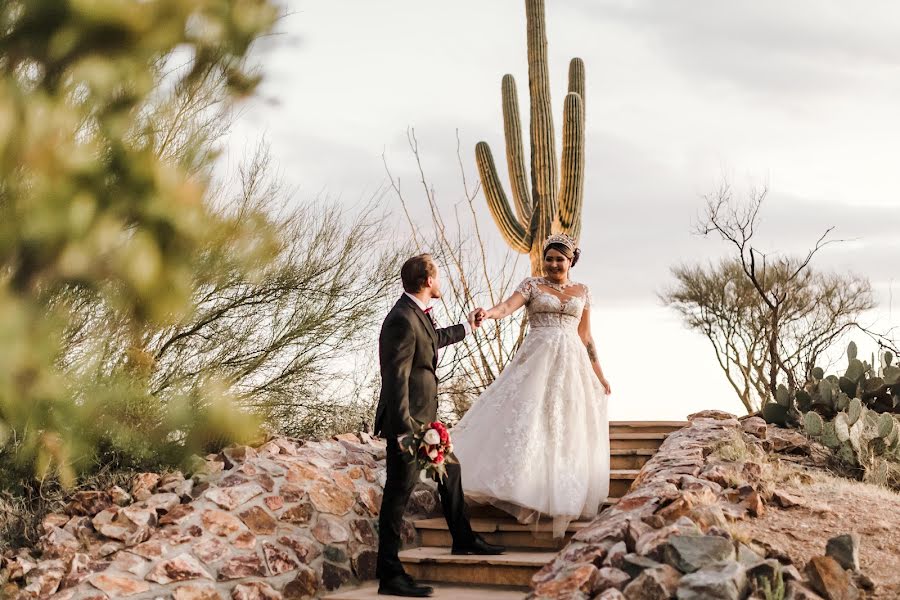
pixel 561 238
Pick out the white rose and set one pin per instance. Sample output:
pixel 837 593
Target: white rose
pixel 432 437
pixel 432 454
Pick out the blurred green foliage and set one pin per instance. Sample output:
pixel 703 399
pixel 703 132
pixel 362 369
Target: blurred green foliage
pixel 93 208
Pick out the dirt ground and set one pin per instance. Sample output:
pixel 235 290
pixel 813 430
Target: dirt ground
pixel 832 506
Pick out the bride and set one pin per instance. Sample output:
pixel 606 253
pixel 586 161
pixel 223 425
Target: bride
pixel 536 442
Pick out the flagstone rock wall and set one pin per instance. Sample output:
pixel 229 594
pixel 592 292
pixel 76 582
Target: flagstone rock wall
pixel 670 536
pixel 288 520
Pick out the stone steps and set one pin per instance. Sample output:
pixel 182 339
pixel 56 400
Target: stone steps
pixel 645 426
pixel 632 444
pixel 504 531
pixel 621 440
pixel 629 458
pixel 436 563
pixel 442 591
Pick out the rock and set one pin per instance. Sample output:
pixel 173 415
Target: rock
pixel 610 594
pixel 196 592
pixel 132 563
pixel 795 590
pixel 719 581
pixel 610 577
pixel 274 502
pixel 633 564
pixel 657 583
pixel 330 530
pixel 119 496
pixel 755 426
pixel 712 414
pixel 786 500
pixel 335 554
pixel 364 532
pixel 570 581
pixel 177 515
pixel 44 579
pixel 88 503
pixel 306 549
pixel 58 543
pixel 143 484
pixel 181 568
pixel 303 587
pixel 370 498
pixel 689 553
pixel 230 498
pixel 829 579
pixel 255 590
pixel 845 550
pixel 615 555
pixel 80 568
pixel 654 542
pixel 221 523
pixel 118 586
pixel 708 517
pixel 151 549
pixel 278 560
pixel 259 521
pixel 211 549
pixel 245 541
pixel 113 523
pixel 363 564
pixel 235 455
pixel 747 556
pixel 422 502
pixel 298 515
pixel 244 565
pixel 788 440
pixel 334 576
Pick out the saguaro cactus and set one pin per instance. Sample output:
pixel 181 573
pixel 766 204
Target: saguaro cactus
pixel 553 205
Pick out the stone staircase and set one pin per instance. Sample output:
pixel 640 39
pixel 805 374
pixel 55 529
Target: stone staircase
pixel 632 443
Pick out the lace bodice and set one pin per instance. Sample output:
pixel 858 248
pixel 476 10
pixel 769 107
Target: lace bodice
pixel 546 309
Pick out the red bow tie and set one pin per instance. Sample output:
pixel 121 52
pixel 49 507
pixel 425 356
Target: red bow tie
pixel 428 310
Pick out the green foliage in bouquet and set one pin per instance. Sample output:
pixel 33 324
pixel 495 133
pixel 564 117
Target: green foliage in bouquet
pixel 90 208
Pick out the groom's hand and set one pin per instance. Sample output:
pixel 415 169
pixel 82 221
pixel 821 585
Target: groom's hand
pixel 476 317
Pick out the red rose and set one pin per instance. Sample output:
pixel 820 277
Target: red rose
pixel 439 459
pixel 445 437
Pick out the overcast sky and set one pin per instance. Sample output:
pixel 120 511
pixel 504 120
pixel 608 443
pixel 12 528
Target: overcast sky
pixel 800 96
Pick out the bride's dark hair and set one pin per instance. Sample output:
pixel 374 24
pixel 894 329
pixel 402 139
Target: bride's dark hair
pixel 565 251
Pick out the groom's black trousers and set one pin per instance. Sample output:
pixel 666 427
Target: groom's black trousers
pixel 402 477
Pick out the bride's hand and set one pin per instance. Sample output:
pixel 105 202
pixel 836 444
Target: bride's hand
pixel 605 385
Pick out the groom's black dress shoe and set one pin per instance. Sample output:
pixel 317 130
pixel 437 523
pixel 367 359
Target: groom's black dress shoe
pixel 404 585
pixel 478 546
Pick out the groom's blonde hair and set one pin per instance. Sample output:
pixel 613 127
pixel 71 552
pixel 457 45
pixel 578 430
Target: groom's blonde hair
pixel 415 272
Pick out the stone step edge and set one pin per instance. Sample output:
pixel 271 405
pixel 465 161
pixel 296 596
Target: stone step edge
pixel 645 435
pixel 442 591
pixel 441 555
pixel 487 525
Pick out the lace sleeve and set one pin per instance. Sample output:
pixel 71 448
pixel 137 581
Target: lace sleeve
pixel 526 288
pixel 588 298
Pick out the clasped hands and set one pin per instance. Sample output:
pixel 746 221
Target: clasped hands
pixel 477 317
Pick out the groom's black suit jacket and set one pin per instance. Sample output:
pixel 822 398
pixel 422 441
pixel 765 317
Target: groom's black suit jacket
pixel 407 350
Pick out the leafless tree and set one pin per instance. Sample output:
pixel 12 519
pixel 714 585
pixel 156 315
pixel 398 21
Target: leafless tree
pixel 770 318
pixel 473 277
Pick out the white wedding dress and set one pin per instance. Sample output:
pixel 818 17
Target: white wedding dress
pixel 536 442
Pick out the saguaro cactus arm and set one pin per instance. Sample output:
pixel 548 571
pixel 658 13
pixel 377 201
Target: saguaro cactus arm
pixel 515 154
pixel 571 190
pixel 517 236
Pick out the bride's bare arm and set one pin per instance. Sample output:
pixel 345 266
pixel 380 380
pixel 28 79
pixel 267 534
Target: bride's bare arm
pixel 584 331
pixel 507 307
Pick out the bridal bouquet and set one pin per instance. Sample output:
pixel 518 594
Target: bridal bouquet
pixel 431 448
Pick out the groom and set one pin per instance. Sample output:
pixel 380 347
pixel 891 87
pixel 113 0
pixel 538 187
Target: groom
pixel 408 352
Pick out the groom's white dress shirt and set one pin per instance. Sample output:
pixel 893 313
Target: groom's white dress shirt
pixel 424 308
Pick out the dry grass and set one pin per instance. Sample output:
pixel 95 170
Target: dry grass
pixel 736 449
